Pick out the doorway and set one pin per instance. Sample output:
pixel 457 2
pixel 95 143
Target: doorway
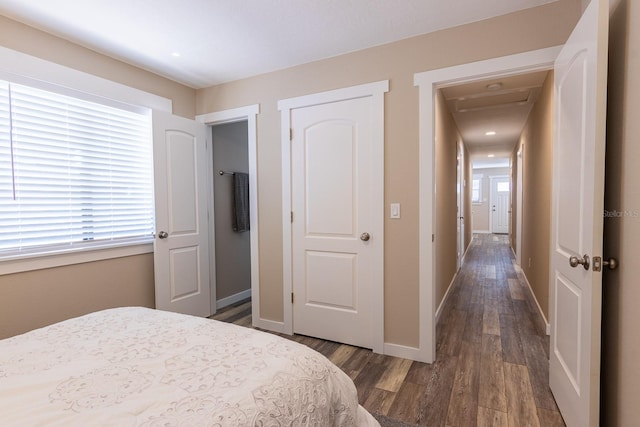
pixel 230 156
pixel 247 114
pixel 500 204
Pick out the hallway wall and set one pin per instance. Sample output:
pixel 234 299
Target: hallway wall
pixel 447 136
pixel 537 139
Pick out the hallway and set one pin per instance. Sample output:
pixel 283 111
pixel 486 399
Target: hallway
pixel 492 354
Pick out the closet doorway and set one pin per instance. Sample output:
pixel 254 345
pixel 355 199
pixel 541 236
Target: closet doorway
pixel 231 212
pixel 245 117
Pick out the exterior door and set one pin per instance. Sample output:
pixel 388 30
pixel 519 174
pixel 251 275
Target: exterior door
pixel 181 250
pixel 333 246
pixel 577 221
pixel 500 199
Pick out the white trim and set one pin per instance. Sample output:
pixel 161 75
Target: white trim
pixel 403 351
pixel 428 82
pixel 376 90
pixel 59 259
pixel 481 232
pixel 445 298
pixel 232 299
pixel 248 113
pixel 22 65
pixel 544 318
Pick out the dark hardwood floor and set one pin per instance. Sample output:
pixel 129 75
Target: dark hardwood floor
pixel 492 354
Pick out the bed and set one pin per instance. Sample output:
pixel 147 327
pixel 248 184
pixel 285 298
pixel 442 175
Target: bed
pixel 136 366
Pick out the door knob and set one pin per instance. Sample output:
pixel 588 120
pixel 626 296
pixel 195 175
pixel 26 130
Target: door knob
pixel 365 237
pixel 163 234
pixel 574 261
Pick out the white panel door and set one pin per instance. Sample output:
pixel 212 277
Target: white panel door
pixel 460 202
pixel 577 222
pixel 332 208
pixel 181 250
pixel 500 199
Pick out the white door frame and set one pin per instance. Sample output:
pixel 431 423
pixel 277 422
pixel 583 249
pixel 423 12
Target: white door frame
pixel 428 83
pixel 460 184
pixel 248 113
pixel 377 91
pixel 492 179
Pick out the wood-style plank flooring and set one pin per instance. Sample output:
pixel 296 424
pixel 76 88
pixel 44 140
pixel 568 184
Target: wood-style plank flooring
pixel 492 353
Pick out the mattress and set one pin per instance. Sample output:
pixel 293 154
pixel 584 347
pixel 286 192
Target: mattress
pixel 135 366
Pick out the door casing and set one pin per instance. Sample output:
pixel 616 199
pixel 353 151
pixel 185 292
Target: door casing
pixel 428 83
pixel 248 113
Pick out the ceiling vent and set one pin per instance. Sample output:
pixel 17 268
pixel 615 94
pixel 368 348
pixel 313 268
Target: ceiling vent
pixel 497 99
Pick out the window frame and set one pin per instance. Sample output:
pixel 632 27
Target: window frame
pixel 25 69
pixel 477 177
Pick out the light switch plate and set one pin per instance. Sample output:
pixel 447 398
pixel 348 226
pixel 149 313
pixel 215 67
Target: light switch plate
pixel 395 211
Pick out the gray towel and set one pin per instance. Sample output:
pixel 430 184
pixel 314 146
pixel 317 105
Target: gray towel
pixel 240 217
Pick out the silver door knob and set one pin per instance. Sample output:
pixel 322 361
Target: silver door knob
pixel 610 263
pixel 574 261
pixel 163 234
pixel 365 237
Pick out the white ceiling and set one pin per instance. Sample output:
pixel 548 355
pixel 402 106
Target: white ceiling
pixel 501 105
pixel 224 40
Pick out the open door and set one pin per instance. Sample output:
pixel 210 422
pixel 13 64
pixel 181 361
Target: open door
pixel 181 250
pixel 577 220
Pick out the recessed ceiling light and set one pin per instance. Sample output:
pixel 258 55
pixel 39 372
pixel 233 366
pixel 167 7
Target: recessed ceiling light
pixel 491 155
pixel 176 54
pixel 491 132
pixel 494 86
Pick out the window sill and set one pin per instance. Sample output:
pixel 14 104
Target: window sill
pixel 38 261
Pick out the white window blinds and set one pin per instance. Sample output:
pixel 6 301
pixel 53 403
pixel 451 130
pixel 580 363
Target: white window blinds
pixel 73 173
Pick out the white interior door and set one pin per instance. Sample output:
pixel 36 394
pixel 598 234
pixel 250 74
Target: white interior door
pixel 181 250
pixel 333 244
pixel 577 222
pixel 460 200
pixel 500 199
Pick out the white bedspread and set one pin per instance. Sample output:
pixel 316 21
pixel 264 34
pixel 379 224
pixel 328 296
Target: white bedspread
pixel 142 367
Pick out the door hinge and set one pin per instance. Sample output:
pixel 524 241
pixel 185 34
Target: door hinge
pixel 433 238
pixel 291 216
pixel 290 134
pixel 291 297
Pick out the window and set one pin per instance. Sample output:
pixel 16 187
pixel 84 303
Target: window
pixel 476 189
pixel 74 174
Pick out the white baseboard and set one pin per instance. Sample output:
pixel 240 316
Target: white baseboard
pixel 546 322
pixel 269 325
pixel 481 232
pixel 221 303
pixel 444 299
pixel 403 351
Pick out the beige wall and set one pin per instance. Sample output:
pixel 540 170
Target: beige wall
pixel 534 28
pixel 621 288
pixel 34 299
pixel 537 139
pixel 41 297
pixel 446 137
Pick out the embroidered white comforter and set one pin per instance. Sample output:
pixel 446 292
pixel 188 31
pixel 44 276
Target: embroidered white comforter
pixel 141 367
